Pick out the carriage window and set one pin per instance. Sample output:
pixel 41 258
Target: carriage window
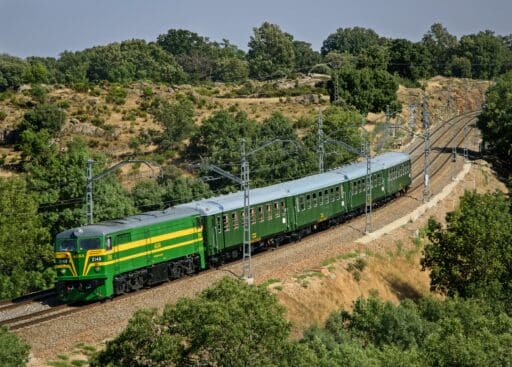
pixel 217 224
pixel 308 200
pixel 269 212
pixel 302 204
pixel 332 194
pixel 234 220
pixel 337 193
pixel 283 207
pixel 225 220
pixel 320 198
pixel 253 218
pixel 108 243
pixel 276 210
pixel 314 199
pixel 242 216
pixel 260 214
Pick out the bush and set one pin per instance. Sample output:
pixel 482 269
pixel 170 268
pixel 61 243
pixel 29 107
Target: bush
pixel 14 351
pixel 117 95
pixel 3 115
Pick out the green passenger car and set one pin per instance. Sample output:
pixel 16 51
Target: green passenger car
pixel 114 257
pixel 292 209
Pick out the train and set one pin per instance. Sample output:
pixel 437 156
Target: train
pixel 113 257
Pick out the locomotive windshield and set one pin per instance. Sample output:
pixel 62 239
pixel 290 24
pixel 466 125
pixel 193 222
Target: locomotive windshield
pixel 67 245
pixel 90 244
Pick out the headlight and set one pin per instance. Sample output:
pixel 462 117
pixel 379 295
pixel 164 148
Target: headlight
pixel 97 269
pixel 63 271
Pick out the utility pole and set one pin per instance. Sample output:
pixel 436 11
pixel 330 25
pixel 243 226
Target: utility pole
pixel 365 152
pixel 246 245
pixel 466 100
pixel 335 87
pixel 426 143
pixel 89 204
pixel 320 148
pixel 465 149
pixel 88 194
pixel 244 182
pixel 412 117
pixel 368 188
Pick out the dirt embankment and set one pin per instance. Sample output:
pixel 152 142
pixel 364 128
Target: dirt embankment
pixel 389 266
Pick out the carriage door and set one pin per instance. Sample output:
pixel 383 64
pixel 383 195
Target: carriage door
pixel 218 236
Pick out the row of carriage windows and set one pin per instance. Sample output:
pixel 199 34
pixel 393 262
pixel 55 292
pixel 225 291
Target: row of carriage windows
pixel 320 198
pixel 398 171
pixel 262 213
pixel 268 212
pixel 359 186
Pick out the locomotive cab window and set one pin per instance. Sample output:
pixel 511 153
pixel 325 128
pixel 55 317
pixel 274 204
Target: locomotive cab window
pixel 66 245
pixel 108 244
pixel 90 244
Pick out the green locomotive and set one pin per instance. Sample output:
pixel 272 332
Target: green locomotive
pixel 114 257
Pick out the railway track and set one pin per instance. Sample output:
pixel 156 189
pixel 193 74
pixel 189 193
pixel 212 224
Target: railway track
pixel 39 296
pixel 55 311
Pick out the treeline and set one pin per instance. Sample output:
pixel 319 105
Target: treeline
pixel 183 56
pixel 234 324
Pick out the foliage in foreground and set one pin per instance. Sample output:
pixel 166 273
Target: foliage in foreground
pixel 233 324
pixel 229 324
pixel 13 352
pixel 472 257
pixel 495 121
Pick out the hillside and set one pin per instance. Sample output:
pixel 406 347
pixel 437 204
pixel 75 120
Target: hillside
pixel 120 126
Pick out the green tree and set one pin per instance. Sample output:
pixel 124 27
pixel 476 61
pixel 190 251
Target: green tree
pixel 229 324
pixel 459 67
pixel 271 52
pixel 27 256
pixel 495 121
pixel 472 256
pixel 14 352
pixel 280 161
pixel 351 40
pixel 44 116
pixel 305 57
pixel 339 124
pixel 177 119
pixel 147 195
pixel 441 45
pixel 374 57
pixel 59 179
pixel 409 60
pixel 488 54
pixel 71 68
pixel 366 89
pixel 12 70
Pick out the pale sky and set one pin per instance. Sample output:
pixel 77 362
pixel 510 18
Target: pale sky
pixel 48 27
